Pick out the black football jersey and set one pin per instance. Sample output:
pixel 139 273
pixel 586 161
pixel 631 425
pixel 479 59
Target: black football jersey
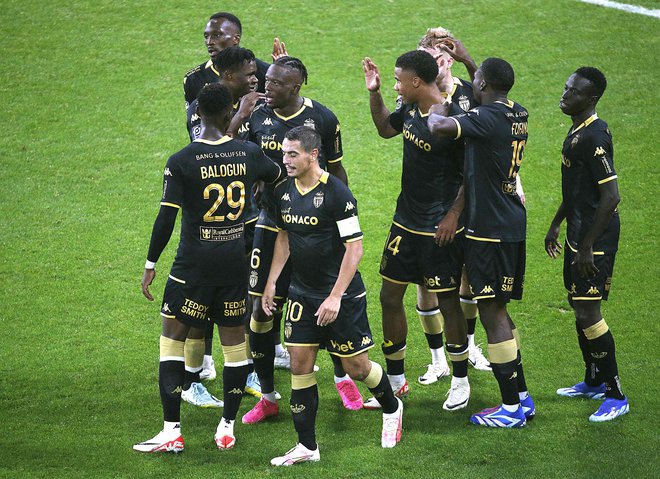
pixel 318 223
pixel 196 78
pixel 495 138
pixel 587 162
pixel 432 166
pixel 267 128
pixel 210 181
pixel 194 122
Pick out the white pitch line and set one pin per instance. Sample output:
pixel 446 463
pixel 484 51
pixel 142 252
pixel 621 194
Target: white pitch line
pixel 625 7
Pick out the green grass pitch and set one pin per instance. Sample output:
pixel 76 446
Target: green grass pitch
pixel 92 106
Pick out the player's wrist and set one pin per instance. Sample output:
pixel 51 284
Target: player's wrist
pixel 150 265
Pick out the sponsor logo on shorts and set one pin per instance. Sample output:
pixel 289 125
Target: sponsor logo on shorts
pixel 573 289
pixel 166 308
pixel 507 284
pixel 486 290
pixel 593 290
pixel 342 347
pixel 366 341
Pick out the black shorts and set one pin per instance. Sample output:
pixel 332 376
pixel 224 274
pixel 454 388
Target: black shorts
pixel 410 257
pixel 347 336
pixel 197 305
pixel 263 246
pixel 495 270
pixel 588 289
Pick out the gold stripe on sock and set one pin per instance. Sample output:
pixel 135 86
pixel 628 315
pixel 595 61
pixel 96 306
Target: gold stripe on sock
pixel 171 347
pixel 193 351
pixel 303 381
pixel 503 352
pixel 374 376
pixel 596 330
pixel 235 354
pixel 259 327
pixel 432 324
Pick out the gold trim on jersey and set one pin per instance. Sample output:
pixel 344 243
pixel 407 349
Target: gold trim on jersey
pixel 458 125
pixel 336 160
pixel 222 140
pixel 585 123
pixel 479 238
pixel 174 278
pixel 352 240
pixel 269 228
pixel 165 203
pixel 322 179
pixel 606 180
pixel 252 220
pixel 508 103
pixel 393 280
pixel 421 233
pixel 307 103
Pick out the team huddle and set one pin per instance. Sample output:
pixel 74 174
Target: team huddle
pixel 270 234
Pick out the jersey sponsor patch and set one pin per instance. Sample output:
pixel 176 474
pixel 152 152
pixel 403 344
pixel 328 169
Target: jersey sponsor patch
pixel 349 226
pixel 215 233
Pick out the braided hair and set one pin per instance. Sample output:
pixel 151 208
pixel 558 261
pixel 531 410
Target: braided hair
pixel 293 63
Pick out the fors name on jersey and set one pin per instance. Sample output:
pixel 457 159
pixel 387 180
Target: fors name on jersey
pixel 300 220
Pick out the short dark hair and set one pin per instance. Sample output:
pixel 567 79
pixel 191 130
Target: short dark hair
pixel 498 74
pixel 232 59
pixel 214 98
pixel 294 64
pixel 595 77
pixel 420 62
pixel 308 137
pixel 231 18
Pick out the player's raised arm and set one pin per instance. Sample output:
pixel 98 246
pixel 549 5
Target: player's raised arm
pixel 458 52
pixel 379 112
pixel 279 49
pixel 439 122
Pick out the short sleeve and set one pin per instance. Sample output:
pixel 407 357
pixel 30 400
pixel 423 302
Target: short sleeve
pixel 476 123
pixel 396 117
pixel 331 139
pixel 599 156
pixel 345 214
pixel 172 184
pixel 281 196
pixel 267 169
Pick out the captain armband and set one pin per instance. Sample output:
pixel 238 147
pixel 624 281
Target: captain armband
pixel 349 226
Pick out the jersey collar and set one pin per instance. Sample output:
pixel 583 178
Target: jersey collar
pixel 323 179
pixel 307 103
pixel 222 140
pixel 586 122
pixel 508 103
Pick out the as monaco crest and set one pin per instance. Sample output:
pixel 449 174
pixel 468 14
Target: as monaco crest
pixel 318 199
pixel 464 102
pixel 254 277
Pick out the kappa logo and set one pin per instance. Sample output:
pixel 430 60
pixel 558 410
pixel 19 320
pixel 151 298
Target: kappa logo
pixel 286 197
pixel 593 290
pixel 166 308
pixel 600 151
pixel 366 341
pixel 297 408
pixel 474 110
pixel 268 122
pixel 349 206
pixel 257 355
pixel 177 390
pixel 600 355
pixel 573 289
pixel 486 290
pixel 514 375
pixel 235 391
pixel 167 172
pixel 412 113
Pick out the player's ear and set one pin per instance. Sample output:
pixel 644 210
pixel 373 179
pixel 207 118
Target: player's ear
pixel 236 39
pixel 296 88
pixel 416 82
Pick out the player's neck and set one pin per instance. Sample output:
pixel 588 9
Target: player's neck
pixel 430 97
pixel 309 179
pixel 491 97
pixel 446 84
pixel 211 132
pixel 290 109
pixel 582 117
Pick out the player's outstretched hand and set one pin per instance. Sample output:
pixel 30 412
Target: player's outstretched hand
pixel 147 279
pixel 328 311
pixel 279 49
pixel 248 102
pixel 371 74
pixel 552 246
pixel 446 230
pixel 268 299
pixel 584 259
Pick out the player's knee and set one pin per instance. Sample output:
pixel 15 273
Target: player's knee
pixel 357 367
